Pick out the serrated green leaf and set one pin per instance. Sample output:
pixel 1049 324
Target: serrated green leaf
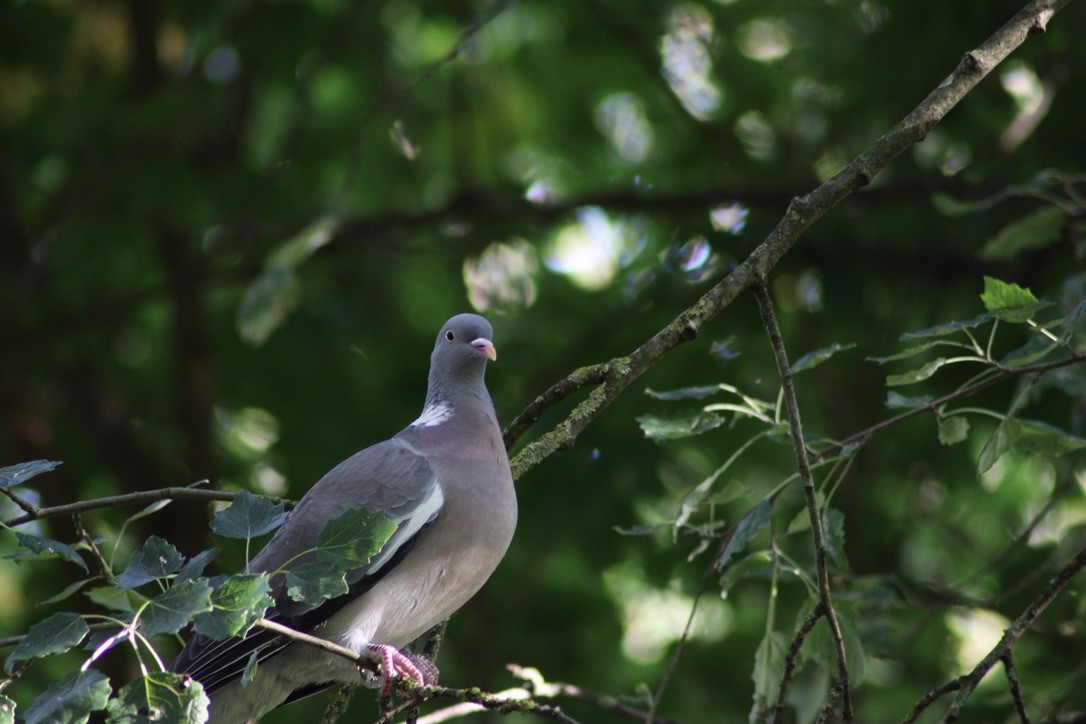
pixel 237 602
pixel 685 393
pixel 671 428
pixel 1008 301
pixel 910 351
pixel 71 700
pixel 174 608
pixel 813 359
pixel 768 669
pixel 922 373
pixel 353 538
pixel 160 696
pixel 953 429
pixel 748 527
pixel 251 666
pixel 54 635
pixel 1033 231
pixel 897 401
pixel 18 474
pixel 1033 351
pixel 157 559
pixel 46 546
pixel 833 530
pixel 315 581
pixel 248 516
pixel 941 330
pixel 194 567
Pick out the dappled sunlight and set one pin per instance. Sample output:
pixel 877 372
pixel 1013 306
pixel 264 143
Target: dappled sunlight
pixel 621 119
pixel 730 218
pixel 653 619
pixel 765 39
pixel 502 277
pixel 247 433
pixel 687 65
pixel 593 250
pixel 756 134
pixel 1031 95
pixel 977 631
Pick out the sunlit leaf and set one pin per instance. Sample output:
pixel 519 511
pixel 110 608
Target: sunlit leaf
pixel 998 443
pixel 71 699
pixel 1009 301
pixel 352 539
pixel 315 581
pixel 953 429
pixel 1033 231
pixel 159 696
pixel 670 428
pixel 7 710
pixel 237 602
pixel 921 373
pixel 45 546
pixel 13 475
pixel 157 559
pixel 54 635
pixel 174 608
pixel 116 599
pixel 748 527
pixel 248 516
pixel 813 359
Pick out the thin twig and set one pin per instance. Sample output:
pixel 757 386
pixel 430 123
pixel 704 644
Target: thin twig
pixel 1015 689
pixel 795 430
pixel 965 685
pixel 115 501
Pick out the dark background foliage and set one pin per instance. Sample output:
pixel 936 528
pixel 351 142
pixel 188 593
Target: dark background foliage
pixel 229 231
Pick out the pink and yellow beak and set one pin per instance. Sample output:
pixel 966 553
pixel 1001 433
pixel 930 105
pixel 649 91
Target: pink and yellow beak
pixel 486 348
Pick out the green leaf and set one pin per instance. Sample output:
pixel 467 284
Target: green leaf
pixel 195 566
pixel 18 474
pixel 68 591
pixel 157 559
pixel 315 581
pixel 1008 301
pixel 998 443
pixel 7 710
pixel 1033 231
pixel 922 373
pixel 297 249
pixel 694 423
pixel 953 429
pixel 54 635
pixel 172 609
pixel 1039 438
pixel 71 700
pixel 685 393
pixel 941 330
pixel 353 538
pixel 910 351
pixel 756 564
pixel 249 673
pixel 236 603
pixel 116 599
pixel 813 359
pixel 1074 323
pixel 248 516
pixel 160 696
pixel 768 669
pixel 45 546
pixel 833 530
pixel 897 401
pixel 1033 351
pixel 267 303
pixel 745 530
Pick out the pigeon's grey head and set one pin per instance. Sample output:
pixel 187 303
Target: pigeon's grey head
pixel 458 363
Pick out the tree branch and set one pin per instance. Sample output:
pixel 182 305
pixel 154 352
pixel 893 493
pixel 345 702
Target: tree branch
pixel 965 685
pixel 114 501
pixel 795 431
pixel 801 214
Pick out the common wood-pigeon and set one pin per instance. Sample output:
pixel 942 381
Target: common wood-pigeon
pixel 445 482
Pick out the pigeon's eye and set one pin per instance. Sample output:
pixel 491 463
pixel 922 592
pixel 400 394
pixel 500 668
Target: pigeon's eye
pixel 449 335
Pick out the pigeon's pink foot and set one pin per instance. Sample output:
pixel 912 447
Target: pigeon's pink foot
pixel 394 663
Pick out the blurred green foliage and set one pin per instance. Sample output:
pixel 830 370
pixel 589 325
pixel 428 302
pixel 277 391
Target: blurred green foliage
pixel 229 230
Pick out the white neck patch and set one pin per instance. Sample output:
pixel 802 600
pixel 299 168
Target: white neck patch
pixel 434 414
